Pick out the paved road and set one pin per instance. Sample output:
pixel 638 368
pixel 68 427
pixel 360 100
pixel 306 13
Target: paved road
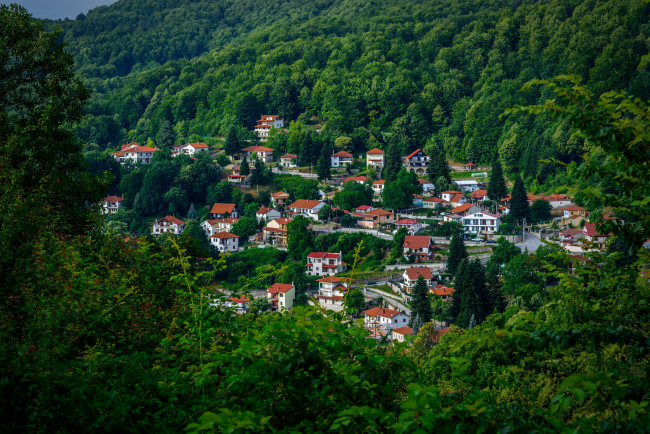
pixel 393 301
pixel 530 241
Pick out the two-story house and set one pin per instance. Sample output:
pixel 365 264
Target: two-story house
pixel 279 199
pixel 225 242
pixel 289 160
pixel 308 208
pixel 466 209
pixel 573 213
pixel 214 226
pixel 379 321
pixel 281 296
pixel 555 200
pixel 417 161
pixel 419 245
pixel 374 218
pixel 235 176
pixel 375 158
pixel 434 202
pixel 378 188
pixel 324 264
pixel 341 158
pixel 262 153
pixel 454 197
pixel 265 123
pixel 275 232
pixel 481 223
pixel 189 149
pixel 479 196
pixel 412 226
pixel 112 204
pixel 411 275
pixel 241 304
pixel 592 235
pixel 135 153
pixel 168 224
pixel 399 334
pixel 267 214
pixel 468 186
pixel 442 291
pixel 224 210
pixel 331 290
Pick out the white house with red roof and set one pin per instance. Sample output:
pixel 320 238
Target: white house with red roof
pixel 324 264
pixel 308 208
pixel 465 209
pixel 224 242
pixel 410 277
pixel 168 224
pixel 417 161
pixel 555 200
pixel 378 321
pixel 374 218
pixel 592 235
pixel 281 296
pixel 400 333
pixel 454 197
pixel 275 231
pixel 262 153
pixel 375 158
pixel 135 153
pixel 478 196
pixel 456 218
pixel 420 245
pixel 189 149
pixel 572 212
pixel 341 158
pixel 434 202
pixel 289 160
pixel 279 198
pixel 214 226
pixel 358 179
pixel 363 208
pixel 378 187
pixel 442 291
pixel 267 214
pixel 224 210
pixel 427 186
pixel 265 123
pixel 481 222
pixel 240 303
pixel 112 204
pixel 412 226
pixel 331 290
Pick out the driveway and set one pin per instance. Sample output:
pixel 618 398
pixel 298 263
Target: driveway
pixel 530 241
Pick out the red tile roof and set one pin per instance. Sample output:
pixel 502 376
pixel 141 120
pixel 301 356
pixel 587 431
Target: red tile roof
pixel 282 221
pixel 113 199
pixel 241 299
pixel 441 290
pixel 363 207
pixel 286 156
pixel 324 255
pixel 224 235
pixel 377 311
pixel 280 194
pixel 263 210
pixel 330 279
pixel 478 194
pixel 417 241
pixel 406 330
pixel 406 222
pixel 415 272
pixel 451 192
pixel 354 178
pixel 462 208
pixel 257 149
pixel 434 199
pixel 456 198
pixel 228 220
pixel 375 151
pixel 378 212
pixel 222 208
pixel 198 145
pixel 379 182
pixel 171 219
pixel 342 154
pixel 279 287
pixel 590 231
pixel 573 208
pixel 305 204
pixel 415 152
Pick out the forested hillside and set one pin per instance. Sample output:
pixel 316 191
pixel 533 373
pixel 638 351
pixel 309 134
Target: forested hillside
pixel 410 72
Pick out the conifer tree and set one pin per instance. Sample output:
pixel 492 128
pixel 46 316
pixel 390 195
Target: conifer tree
pixel 257 176
pixel 244 168
pixel 470 297
pixel 416 323
pixel 459 287
pixel 457 252
pixel 323 168
pixel 438 166
pixel 191 213
pixel 232 145
pixel 420 306
pixel 496 189
pixel 519 208
pixel 393 163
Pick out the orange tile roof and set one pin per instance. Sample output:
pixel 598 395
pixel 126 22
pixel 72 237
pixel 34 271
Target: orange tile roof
pixel 451 192
pixel 224 235
pixel 354 178
pixel 330 279
pixel 222 208
pixel 379 182
pixel 241 299
pixel 386 313
pixel 406 330
pixel 257 149
pixel 456 198
pixel 573 208
pixel 285 156
pixel 464 207
pixel 279 287
pixel 171 219
pixel 441 290
pixel 415 152
pixel 280 194
pixel 113 199
pixel 478 194
pixel 378 212
pixel 417 241
pixel 415 272
pixel 375 151
pixel 198 145
pixel 434 199
pixel 342 154
pixel 305 204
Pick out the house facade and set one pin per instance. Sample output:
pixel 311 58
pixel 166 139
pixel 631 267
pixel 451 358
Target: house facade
pixel 574 211
pixel 417 162
pixel 224 210
pixel 374 218
pixel 411 275
pixel 214 226
pixel 324 264
pixel 308 208
pixel 442 291
pixel 135 153
pixel 265 123
pixel 267 214
pixel 289 160
pixel 412 226
pixel 379 321
pixel 465 209
pixel 240 304
pixel 481 223
pixel 468 186
pixel 420 245
pixel 375 158
pixel 378 188
pixel 168 224
pixel 225 242
pixel 279 199
pixel 341 159
pixel 262 153
pixel 281 296
pixel 275 232
pixel 189 149
pixel 479 196
pixel 331 290
pixel 112 204
pixel 433 202
pixel 400 333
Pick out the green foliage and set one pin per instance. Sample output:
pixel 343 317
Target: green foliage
pixel 348 221
pixel 438 166
pixel 540 211
pixel 245 227
pixel 457 252
pixel 352 195
pixel 353 301
pixel 398 194
pixel 519 208
pixel 297 187
pixel 496 189
pixel 420 304
pixel 232 145
pixel 220 193
pixel 299 238
pixel 325 213
pixel 324 164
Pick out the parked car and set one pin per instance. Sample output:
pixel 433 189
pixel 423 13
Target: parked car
pixel 490 242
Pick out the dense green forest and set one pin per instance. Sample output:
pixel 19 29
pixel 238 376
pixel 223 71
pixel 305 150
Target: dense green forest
pixel 411 72
pixel 105 333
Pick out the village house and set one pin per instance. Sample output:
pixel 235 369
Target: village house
pixel 442 291
pixel 225 242
pixel 189 149
pixel 262 153
pixel 478 197
pixel 275 232
pixel 378 187
pixel 419 245
pixel 267 214
pixel 363 208
pixel 592 235
pixel 453 218
pixel 341 158
pixel 375 158
pixel 455 198
pixel 468 186
pixel 465 209
pixel 418 200
pixel 379 321
pixel 573 213
pixel 214 226
pixel 289 160
pixel 235 176
pixel 279 199
pixel 324 264
pixel 265 123
pixel 555 200
pixel 168 224
pixel 331 290
pixel 135 153
pixel 281 296
pixel 427 186
pixel 417 162
pixel 358 179
pixel 410 277
pixel 308 208
pixel 433 202
pixel 400 333
pixel 571 235
pixel 224 210
pixel 112 204
pixel 481 223
pixel 240 304
pixel 412 226
pixel 374 218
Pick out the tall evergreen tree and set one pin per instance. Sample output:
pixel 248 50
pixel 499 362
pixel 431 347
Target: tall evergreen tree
pixel 233 144
pixel 323 168
pixel 438 166
pixel 470 297
pixel 457 252
pixel 497 186
pixel 459 286
pixel 257 176
pixel 519 208
pixel 420 306
pixel 393 163
pixel 244 168
pixel 493 284
pixel 191 213
pixel 166 137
